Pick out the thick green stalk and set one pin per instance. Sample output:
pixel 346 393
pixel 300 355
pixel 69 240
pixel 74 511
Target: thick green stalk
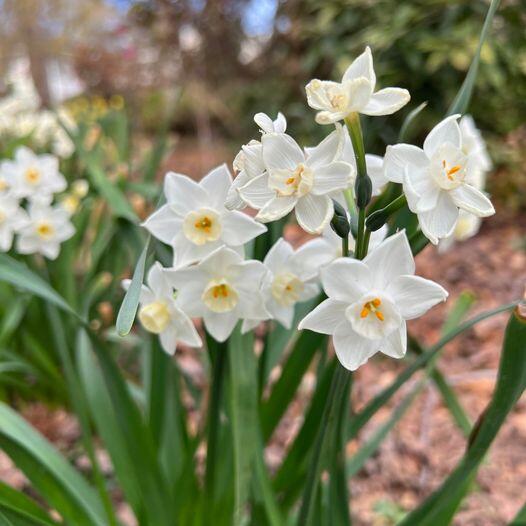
pixel 377 219
pixel 218 355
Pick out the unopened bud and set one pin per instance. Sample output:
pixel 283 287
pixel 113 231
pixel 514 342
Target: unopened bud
pixel 340 223
pixel 363 189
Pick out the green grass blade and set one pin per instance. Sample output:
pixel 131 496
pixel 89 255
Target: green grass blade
pixel 440 507
pixel 461 102
pixel 18 502
pixel 130 303
pixel 520 518
pixel 51 475
pixel 20 276
pixel 411 116
pixel 286 386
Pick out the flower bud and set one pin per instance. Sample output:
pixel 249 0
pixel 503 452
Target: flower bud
pixel 340 223
pixel 363 189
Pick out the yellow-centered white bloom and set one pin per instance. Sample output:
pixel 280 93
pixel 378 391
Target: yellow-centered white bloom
pixel 369 302
pixel 248 163
pixel 44 231
pixel 222 289
pixel 437 180
pixel 354 94
pixel 479 163
pixel 297 180
pixel 34 177
pixel 161 314
pixel 12 218
pixel 195 221
pixel 290 279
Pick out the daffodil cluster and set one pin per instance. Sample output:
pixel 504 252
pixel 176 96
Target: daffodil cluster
pixel 28 186
pixel 369 282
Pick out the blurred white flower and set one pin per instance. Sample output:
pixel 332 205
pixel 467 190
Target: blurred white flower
pixel 12 218
pixel 34 177
pixel 195 221
pixel 369 302
pixel 222 289
pixel 46 228
pixel 436 180
pixel 295 180
pixel 473 146
pixel 159 312
pixel 249 161
pixel 354 94
pixel 289 280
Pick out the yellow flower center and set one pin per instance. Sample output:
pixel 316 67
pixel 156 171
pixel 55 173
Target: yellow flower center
pixel 372 307
pixel 155 317
pixel 450 176
pixel 202 226
pixel 3 185
pixel 45 230
pixel 220 296
pixel 286 289
pixel 32 176
pixel 299 182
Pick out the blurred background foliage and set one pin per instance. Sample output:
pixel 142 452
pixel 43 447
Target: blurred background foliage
pixel 201 69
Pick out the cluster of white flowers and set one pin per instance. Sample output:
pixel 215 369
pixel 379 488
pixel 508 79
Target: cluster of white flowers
pixel 28 184
pixel 369 300
pixel 22 115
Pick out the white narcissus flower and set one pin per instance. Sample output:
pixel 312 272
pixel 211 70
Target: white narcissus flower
pixel 194 219
pixel 222 289
pixel 296 180
pixel 12 218
pixel 473 145
pixel 289 280
pixel 369 302
pixel 44 231
pixel 354 94
pixel 436 180
pixel 160 313
pixel 32 176
pixel 249 161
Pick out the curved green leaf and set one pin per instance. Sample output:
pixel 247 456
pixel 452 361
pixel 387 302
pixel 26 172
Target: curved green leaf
pixel 19 503
pixel 51 475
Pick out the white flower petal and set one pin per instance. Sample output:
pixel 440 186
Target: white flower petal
pixel 400 156
pixel 278 256
pixel 186 331
pixel 390 259
pixel 217 182
pixel 256 193
pixel 219 262
pixel 183 194
pixel 332 177
pixel 362 66
pixel 447 130
pixel 352 349
pixel 233 199
pixel 239 228
pixel 168 339
pixel 276 208
pixel 311 256
pixel 317 97
pixel 281 151
pixel 439 222
pixel 359 92
pixel 328 150
pixel 325 318
pixel 220 324
pixel 346 279
pixel 471 200
pixel 421 191
pixel 145 296
pixel 264 122
pixel 386 101
pixel 395 345
pixel 163 224
pixel 414 295
pixel 280 123
pixel 157 281
pixel 314 212
pixel 375 170
pixel 284 315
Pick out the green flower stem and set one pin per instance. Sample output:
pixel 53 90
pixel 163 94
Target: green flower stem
pixel 218 355
pixel 363 183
